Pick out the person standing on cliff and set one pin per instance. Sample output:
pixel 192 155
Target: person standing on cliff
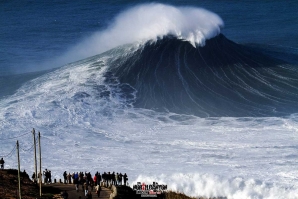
pixel 98 189
pixel 65 177
pixel 76 181
pixel 33 178
pixel 69 178
pixel 120 178
pixel 45 175
pixel 116 179
pixel 86 188
pixel 98 178
pixel 2 163
pixel 125 178
pixel 50 177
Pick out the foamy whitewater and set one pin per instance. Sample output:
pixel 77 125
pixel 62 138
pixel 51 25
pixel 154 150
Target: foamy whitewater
pixel 88 120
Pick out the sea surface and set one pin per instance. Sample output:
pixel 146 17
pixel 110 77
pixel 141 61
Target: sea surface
pixel 199 95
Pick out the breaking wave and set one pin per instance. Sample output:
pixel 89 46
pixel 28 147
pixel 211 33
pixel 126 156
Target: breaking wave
pixel 149 22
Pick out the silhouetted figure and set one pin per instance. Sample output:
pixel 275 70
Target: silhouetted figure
pixel 65 177
pixel 76 181
pixel 116 179
pixel 104 178
pixel 125 178
pixel 81 180
pixel 98 189
pixel 113 178
pixel 45 176
pixel 39 177
pixel 85 188
pixel 109 178
pixel 69 178
pixel 2 163
pixel 120 178
pixel 98 178
pixel 50 177
pixel 33 177
pixel 25 174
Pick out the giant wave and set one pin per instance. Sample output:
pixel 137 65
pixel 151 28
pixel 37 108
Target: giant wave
pixel 221 78
pixel 148 22
pixel 115 102
pixel 184 65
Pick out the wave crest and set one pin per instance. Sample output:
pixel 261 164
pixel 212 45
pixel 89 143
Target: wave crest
pixel 150 22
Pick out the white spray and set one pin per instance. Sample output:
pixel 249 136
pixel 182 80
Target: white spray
pixel 149 22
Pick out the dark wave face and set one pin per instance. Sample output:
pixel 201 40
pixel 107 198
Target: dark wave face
pixel 220 79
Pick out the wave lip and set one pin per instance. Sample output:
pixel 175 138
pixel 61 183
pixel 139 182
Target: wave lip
pixel 149 22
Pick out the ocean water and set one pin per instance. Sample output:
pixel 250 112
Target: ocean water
pixel 201 96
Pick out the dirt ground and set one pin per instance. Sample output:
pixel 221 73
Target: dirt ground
pixel 29 190
pixel 73 194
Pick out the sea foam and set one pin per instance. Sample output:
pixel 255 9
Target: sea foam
pixel 207 185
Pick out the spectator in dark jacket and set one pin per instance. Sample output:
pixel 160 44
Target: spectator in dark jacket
pixel 65 177
pixel 125 178
pixel 2 163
